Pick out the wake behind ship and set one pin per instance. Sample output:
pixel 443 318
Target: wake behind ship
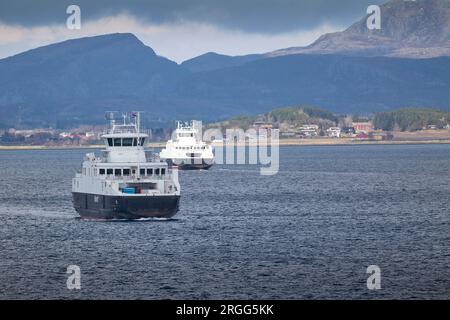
pixel 122 183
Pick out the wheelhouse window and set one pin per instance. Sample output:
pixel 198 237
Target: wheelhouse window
pixel 117 172
pixel 141 142
pixel 142 172
pixel 163 171
pixel 149 172
pixel 126 172
pixel 110 142
pixel 127 142
pixel 186 135
pixel 109 171
pixel 117 142
pixel 135 142
pixel 102 171
pixel 157 171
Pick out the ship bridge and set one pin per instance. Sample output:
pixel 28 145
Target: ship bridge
pixel 124 141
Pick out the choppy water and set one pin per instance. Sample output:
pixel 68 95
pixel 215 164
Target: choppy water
pixel 308 232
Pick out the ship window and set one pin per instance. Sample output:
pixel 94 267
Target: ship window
pixel 142 141
pixel 126 172
pixel 110 142
pixel 118 172
pixel 157 171
pixel 127 142
pixel 163 171
pixel 117 142
pixel 149 172
pixel 134 142
pixel 109 171
pixel 142 172
pixel 102 171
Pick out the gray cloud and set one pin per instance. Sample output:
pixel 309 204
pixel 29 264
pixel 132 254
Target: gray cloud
pixel 258 16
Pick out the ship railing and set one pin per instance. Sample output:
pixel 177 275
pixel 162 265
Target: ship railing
pixel 152 156
pixel 134 177
pixel 124 130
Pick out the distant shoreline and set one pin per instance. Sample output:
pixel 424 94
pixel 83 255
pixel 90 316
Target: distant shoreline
pixel 283 142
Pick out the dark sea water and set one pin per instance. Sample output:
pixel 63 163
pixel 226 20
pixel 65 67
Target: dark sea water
pixel 308 232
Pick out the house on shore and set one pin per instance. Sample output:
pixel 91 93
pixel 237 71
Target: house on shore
pixel 363 127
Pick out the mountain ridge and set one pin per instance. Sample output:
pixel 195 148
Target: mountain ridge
pixel 75 81
pixel 409 29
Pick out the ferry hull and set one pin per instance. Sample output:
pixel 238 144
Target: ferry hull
pixel 191 164
pixel 91 206
pixel 186 166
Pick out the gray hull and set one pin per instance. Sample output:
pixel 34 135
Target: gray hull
pixel 90 206
pixel 203 166
pixel 190 164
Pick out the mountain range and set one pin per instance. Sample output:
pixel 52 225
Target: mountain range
pixel 409 29
pixel 406 63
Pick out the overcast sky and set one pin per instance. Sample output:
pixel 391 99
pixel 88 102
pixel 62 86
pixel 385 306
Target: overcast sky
pixel 180 29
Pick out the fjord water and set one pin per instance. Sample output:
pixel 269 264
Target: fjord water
pixel 308 232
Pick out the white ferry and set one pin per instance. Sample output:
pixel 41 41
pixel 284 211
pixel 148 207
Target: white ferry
pixel 123 183
pixel 187 150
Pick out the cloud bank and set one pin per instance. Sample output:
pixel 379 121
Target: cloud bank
pixel 180 29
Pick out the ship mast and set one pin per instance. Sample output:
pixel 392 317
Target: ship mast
pixel 138 126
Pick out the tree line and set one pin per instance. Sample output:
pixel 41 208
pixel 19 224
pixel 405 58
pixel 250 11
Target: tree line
pixel 410 119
